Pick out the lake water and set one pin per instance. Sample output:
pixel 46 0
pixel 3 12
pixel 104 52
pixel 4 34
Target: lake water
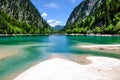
pixel 34 49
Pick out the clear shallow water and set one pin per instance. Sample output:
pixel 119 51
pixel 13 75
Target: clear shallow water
pixel 37 48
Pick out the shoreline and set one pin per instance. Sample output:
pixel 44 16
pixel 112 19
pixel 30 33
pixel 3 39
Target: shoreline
pixel 9 35
pixel 105 48
pixel 93 34
pixel 5 35
pixel 100 68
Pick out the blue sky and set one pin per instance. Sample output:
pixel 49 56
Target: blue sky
pixel 55 12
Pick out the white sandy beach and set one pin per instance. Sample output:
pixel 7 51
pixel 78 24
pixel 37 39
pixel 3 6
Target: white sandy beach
pixel 100 68
pixel 108 47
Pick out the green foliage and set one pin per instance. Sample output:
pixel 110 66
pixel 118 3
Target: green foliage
pixel 117 28
pixel 108 29
pixel 21 17
pixel 97 30
pixel 9 25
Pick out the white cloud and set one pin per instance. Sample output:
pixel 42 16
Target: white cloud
pixel 50 21
pixel 73 1
pixel 53 23
pixel 44 15
pixel 51 5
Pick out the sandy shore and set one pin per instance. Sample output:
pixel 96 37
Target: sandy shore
pixel 100 68
pixel 108 48
pixel 8 51
pixel 80 59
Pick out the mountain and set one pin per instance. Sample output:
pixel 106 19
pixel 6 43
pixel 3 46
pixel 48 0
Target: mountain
pixel 81 11
pixel 95 16
pixel 58 27
pixel 20 17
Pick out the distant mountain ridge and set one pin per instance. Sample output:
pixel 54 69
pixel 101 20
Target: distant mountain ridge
pixel 24 12
pixel 95 16
pixel 58 27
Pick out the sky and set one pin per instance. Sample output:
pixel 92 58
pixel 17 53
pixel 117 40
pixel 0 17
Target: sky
pixel 55 12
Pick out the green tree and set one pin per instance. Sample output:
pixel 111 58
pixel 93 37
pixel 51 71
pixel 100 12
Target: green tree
pixel 97 30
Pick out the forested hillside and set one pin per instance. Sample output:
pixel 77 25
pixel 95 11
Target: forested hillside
pixel 21 17
pixel 95 16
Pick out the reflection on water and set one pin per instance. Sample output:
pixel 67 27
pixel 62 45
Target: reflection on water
pixel 60 44
pixel 34 49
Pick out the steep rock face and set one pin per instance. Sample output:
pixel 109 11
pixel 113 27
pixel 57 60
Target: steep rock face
pixel 22 10
pixel 81 11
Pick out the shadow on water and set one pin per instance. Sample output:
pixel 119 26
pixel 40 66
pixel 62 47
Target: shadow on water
pixel 16 40
pixel 96 39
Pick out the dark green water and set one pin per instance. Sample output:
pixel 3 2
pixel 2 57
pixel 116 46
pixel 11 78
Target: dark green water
pixel 38 48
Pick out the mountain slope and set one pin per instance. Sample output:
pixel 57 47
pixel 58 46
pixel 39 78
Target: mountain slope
pixel 100 16
pixel 81 11
pixel 21 12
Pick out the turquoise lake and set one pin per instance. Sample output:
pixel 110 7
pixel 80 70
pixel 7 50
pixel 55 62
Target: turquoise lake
pixel 34 49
